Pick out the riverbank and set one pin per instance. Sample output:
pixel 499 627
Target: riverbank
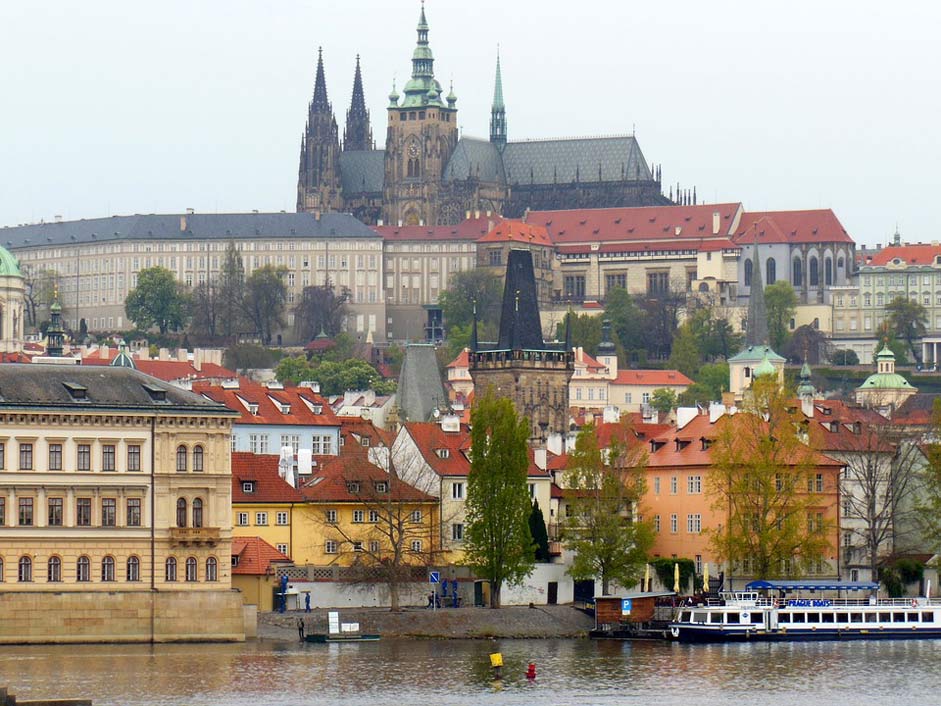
pixel 554 621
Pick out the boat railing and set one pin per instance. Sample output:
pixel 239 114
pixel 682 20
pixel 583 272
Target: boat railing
pixel 818 601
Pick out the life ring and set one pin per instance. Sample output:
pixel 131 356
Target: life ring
pixel 914 603
pixel 745 617
pixel 675 632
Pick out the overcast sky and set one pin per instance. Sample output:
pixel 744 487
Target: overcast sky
pixel 117 107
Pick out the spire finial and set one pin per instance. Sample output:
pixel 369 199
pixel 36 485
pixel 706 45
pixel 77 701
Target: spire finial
pixel 320 103
pixel 498 109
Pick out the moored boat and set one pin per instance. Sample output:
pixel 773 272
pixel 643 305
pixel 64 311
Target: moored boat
pixel 749 616
pixel 321 637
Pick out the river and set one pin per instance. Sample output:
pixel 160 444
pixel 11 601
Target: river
pixel 408 672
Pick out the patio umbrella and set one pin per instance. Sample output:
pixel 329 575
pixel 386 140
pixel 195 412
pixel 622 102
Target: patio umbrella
pixel 646 586
pixel 676 578
pixel 705 577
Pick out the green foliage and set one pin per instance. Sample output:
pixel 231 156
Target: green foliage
pixel 781 304
pixel 807 344
pixel 497 540
pixel 666 572
pixel 685 355
pixel 585 329
pixel 928 506
pixel 663 400
pixel 844 356
pixel 713 334
pixel 627 320
pixel 293 369
pixel 711 381
pixel 321 309
pixel 157 300
pixel 600 527
pixel 458 300
pixel 335 378
pixel 265 297
pixel 245 356
pixel 537 528
pixel 901 573
pixel 907 319
pixel 344 348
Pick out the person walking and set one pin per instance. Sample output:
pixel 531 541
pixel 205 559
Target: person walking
pixel 307 602
pixel 300 628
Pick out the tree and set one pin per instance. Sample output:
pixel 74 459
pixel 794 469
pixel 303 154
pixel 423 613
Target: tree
pixel 907 319
pixel 206 315
pixel 293 369
pixel 321 308
pixel 537 528
pixel 781 304
pixel 335 378
pixel 601 526
pixel 230 293
pixel 928 507
pixel 245 356
pixel 685 355
pixel 886 334
pixel 627 320
pixel 497 541
pixel 844 356
pixel 808 345
pixel 662 319
pixel 763 481
pixel 711 381
pixel 585 330
pixel 157 300
pixel 465 289
pixel 664 400
pixel 265 297
pixel 39 290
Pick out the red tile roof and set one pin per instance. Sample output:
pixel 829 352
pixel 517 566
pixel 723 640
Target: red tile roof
pixel 657 378
pixel 331 483
pixel 169 370
pixel 518 232
pixel 469 229
pixel 262 471
pixel 590 363
pixel 255 556
pixel 358 427
pixel 462 360
pixel 907 254
pixel 813 226
pixel 300 399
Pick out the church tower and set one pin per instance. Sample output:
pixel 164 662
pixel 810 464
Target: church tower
pixel 421 136
pixel 358 133
pixel 318 177
pixel 498 112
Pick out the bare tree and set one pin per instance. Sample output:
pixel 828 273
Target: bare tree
pixel 40 286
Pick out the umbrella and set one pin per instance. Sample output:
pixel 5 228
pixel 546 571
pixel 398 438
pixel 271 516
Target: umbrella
pixel 646 586
pixel 676 578
pixel 705 577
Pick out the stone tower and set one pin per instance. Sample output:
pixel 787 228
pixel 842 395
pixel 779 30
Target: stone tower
pixel 318 177
pixel 498 112
pixel 421 136
pixel 520 365
pixel 358 134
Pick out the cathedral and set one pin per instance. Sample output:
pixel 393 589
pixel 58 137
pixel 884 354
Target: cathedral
pixel 429 174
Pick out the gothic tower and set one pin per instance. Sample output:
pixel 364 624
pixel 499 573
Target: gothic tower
pixel 421 136
pixel 358 134
pixel 498 112
pixel 318 177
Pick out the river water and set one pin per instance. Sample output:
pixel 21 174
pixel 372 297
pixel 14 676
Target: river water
pixel 411 673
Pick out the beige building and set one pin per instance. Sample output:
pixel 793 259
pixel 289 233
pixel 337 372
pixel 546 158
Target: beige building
pixel 115 509
pixel 12 303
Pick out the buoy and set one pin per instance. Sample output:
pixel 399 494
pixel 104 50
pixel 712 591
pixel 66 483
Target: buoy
pixel 531 671
pixel 496 664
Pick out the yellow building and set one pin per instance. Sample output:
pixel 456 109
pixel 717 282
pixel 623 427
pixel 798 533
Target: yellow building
pixel 113 483
pixel 263 502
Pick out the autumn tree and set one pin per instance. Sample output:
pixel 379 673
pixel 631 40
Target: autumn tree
pixel 265 297
pixel 907 320
pixel 497 541
pixel 781 304
pixel 601 527
pixel 157 300
pixel 764 481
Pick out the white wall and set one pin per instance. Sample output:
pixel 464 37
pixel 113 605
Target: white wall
pixel 535 587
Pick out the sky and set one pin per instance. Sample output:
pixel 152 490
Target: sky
pixel 114 107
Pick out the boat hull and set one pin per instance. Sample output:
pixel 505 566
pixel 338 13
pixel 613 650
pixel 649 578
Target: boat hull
pixel 698 635
pixel 321 638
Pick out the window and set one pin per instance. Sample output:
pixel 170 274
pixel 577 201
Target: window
pixel 55 457
pixel 656 523
pixel 181 512
pixel 1 569
pixel 197 512
pixel 574 286
pixel 191 569
pixel 26 512
pixel 771 269
pixel 374 516
pixel 243 519
pixel 107 568
pixel 656 486
pixel 54 518
pixel 330 547
pixel 416 545
pixel 331 516
pixel 83 512
pixel 457 491
pixel 133 568
pixel 673 524
pixel 815 483
pixel 83 569
pixel 358 516
pixel 374 546
pixel 54 570
pixel 26 457
pixel 26 570
pixel 749 265
pixel 797 273
pixel 263 444
pixel 84 457
pixel 357 546
pixel 281 518
pixel 352 486
pixel 457 532
pixel 814 272
pixel 828 271
pixel 693 485
pixel 107 457
pixel 109 512
pixel 261 518
pixel 198 459
pixel 181 459
pixel 212 569
pixel 171 569
pixel 381 486
pixel 673 485
pixel 3 455
pixel 248 487
pixel 658 283
pixel 253 443
pixel 694 524
pixel 133 457
pixel 133 512
pixel 415 516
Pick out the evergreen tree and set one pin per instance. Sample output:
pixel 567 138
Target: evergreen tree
pixel 537 528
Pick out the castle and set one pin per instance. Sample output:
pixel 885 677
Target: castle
pixel 429 174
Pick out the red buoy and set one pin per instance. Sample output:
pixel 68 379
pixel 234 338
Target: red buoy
pixel 531 671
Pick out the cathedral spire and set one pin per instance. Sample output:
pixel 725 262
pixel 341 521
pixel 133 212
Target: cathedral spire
pixel 422 89
pixel 756 332
pixel 320 104
pixel 358 134
pixel 498 110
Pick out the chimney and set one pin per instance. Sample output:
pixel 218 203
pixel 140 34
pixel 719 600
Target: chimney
pixel 540 457
pixel 58 219
pixel 716 222
pixel 182 224
pixel 466 215
pixel 421 221
pixel 379 222
pixel 163 354
pixel 198 359
pixel 476 214
pixel 190 211
pixel 807 406
pixel 182 355
pixel 103 352
pixel 400 223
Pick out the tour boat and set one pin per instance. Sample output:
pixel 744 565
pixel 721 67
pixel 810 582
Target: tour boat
pixel 340 632
pixel 750 616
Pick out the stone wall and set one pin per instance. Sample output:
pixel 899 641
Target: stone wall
pixel 31 617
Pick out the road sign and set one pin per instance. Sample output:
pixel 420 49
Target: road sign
pixel 626 604
pixel 434 577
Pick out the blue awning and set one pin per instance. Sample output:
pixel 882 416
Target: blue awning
pixel 812 585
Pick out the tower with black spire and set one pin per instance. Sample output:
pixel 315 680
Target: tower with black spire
pixel 498 111
pixel 756 328
pixel 520 365
pixel 358 134
pixel 318 177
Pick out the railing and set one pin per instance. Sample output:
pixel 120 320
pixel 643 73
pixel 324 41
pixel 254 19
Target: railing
pixel 817 602
pixel 194 535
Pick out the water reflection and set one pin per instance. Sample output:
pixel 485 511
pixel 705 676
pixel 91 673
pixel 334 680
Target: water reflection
pixel 406 673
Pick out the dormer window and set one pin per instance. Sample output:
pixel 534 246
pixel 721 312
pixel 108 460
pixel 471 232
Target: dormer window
pixel 834 426
pixel 253 410
pixel 235 560
pixel 381 486
pixel 317 409
pixel 285 409
pixel 443 453
pixel 78 392
pixel 248 486
pixel 352 486
pixel 157 394
pixel 364 441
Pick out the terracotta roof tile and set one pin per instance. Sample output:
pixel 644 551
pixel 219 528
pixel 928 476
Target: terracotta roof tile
pixel 809 226
pixel 302 401
pixel 907 254
pixel 262 472
pixel 335 479
pixel 658 378
pixel 255 556
pixel 518 232
pixel 468 229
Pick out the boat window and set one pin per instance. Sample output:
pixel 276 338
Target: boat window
pixel 842 617
pixel 912 617
pixel 800 617
pixel 699 617
pixel 898 617
pixel 927 616
pixel 826 617
pixel 813 617
pixel 715 617
pixel 685 616
pixel 871 618
pixel 784 617
pixel 856 617
pixel 885 617
pixel 732 618
pixel 757 618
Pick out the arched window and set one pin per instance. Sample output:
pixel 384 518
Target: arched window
pixel 413 169
pixel 748 269
pixel 747 372
pixel 26 569
pixel 828 271
pixel 54 570
pixel 181 512
pixel 107 568
pixel 839 264
pixel 198 458
pixel 814 272
pixel 191 569
pixel 1 568
pixel 771 270
pixel 83 569
pixel 133 568
pixel 197 512
pixel 181 459
pixel 212 569
pixel 171 569
pixel 797 273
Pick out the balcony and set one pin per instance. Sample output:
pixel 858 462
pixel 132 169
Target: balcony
pixel 194 536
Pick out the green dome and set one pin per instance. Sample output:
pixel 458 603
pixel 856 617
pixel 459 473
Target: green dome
pixel 123 360
pixel 765 368
pixel 8 264
pixel 886 381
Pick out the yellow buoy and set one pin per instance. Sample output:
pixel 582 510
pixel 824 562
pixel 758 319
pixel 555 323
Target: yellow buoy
pixel 496 660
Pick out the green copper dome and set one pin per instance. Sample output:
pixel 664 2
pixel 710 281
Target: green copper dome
pixel 8 264
pixel 806 388
pixel 886 381
pixel 123 360
pixel 765 368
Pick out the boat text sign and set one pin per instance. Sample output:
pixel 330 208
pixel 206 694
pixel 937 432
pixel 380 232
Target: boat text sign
pixel 810 602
